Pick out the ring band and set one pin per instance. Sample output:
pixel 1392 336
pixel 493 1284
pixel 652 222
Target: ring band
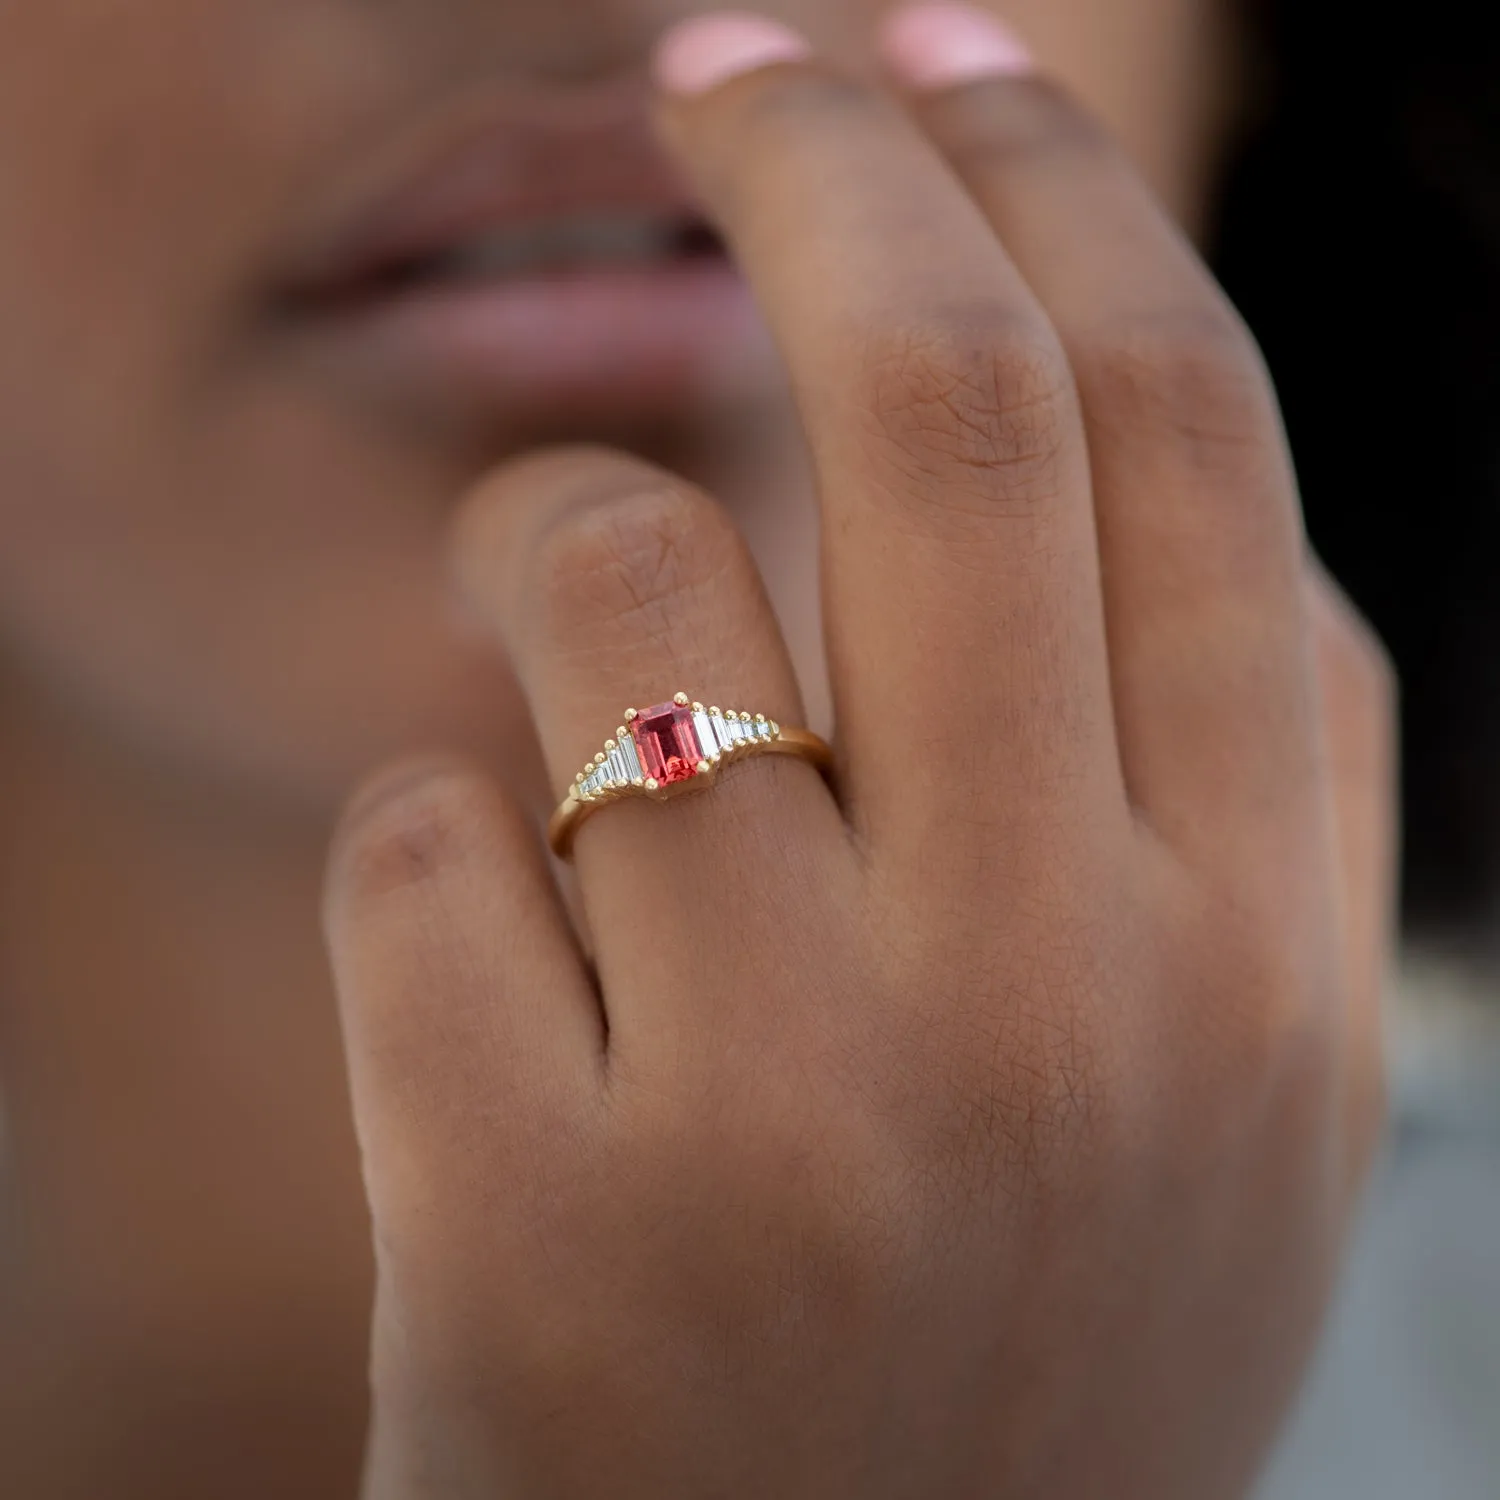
pixel 673 748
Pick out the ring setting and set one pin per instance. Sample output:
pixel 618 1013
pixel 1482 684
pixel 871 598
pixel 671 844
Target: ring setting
pixel 671 748
pixel 669 745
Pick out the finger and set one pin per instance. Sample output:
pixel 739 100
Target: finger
pixel 1199 530
pixel 1359 715
pixel 961 581
pixel 613 585
pixel 466 1009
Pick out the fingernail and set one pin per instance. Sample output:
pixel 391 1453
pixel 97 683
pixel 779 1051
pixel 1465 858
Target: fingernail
pixel 939 45
pixel 699 54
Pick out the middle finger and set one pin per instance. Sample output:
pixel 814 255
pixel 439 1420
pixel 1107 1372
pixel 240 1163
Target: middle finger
pixel 965 622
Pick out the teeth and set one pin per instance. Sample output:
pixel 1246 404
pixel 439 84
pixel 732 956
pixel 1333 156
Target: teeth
pixel 563 244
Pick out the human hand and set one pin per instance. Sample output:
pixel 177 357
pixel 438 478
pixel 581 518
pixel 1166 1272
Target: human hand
pixel 991 1128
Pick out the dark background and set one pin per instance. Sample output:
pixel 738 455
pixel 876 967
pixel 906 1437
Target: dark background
pixel 1360 234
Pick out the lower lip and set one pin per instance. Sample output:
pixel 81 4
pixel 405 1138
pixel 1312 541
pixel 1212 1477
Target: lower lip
pixel 571 348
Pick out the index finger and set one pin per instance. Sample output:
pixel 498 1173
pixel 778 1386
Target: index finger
pixel 961 571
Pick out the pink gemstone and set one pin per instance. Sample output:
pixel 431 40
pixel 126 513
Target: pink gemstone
pixel 667 743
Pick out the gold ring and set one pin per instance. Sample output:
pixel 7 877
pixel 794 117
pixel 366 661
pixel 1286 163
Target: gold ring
pixel 673 748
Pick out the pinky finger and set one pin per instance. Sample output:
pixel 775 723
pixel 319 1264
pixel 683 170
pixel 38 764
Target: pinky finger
pixel 471 1026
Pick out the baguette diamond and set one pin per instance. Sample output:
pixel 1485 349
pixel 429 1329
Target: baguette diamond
pixel 707 740
pixel 630 761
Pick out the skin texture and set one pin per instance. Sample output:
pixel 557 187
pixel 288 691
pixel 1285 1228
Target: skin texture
pixel 961 1040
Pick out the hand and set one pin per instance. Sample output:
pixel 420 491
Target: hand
pixel 992 1127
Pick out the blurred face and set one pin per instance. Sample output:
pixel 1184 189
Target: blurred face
pixel 277 278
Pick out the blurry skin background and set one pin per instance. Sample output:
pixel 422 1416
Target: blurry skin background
pixel 221 602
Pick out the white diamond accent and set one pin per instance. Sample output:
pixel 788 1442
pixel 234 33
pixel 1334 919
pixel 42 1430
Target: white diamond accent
pixel 591 783
pixel 721 732
pixel 703 727
pixel 763 730
pixel 737 731
pixel 630 760
pixel 617 768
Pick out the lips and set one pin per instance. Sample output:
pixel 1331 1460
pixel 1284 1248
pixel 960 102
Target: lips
pixel 573 244
pixel 542 263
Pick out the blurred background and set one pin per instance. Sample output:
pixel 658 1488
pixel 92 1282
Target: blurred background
pixel 1359 231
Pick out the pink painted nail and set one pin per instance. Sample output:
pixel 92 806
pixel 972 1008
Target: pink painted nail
pixel 701 53
pixel 935 46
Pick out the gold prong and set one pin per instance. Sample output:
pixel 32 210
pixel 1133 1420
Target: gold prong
pixel 622 733
pixel 652 784
pixel 704 768
pixel 775 727
pixel 611 745
pixel 697 708
pixel 599 760
pixel 631 716
pixel 682 700
pixel 640 781
pixel 761 719
pixel 716 712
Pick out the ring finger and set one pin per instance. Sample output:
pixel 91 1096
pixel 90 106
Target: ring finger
pixel 613 585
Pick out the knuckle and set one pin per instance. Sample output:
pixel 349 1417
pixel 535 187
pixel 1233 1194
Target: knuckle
pixel 641 559
pixel 971 400
pixel 1302 1048
pixel 1191 375
pixel 1274 1014
pixel 1353 658
pixel 411 828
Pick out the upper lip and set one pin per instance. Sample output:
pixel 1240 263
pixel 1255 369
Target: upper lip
pixel 501 164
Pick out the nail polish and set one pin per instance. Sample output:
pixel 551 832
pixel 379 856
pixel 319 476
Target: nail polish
pixel 699 54
pixel 936 46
